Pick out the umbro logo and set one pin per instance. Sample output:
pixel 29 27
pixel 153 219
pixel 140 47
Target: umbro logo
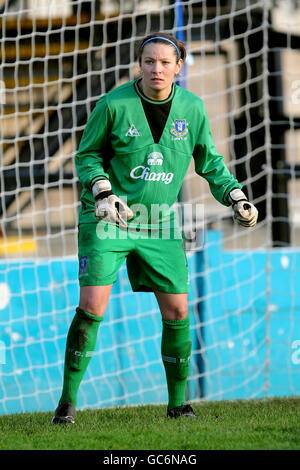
pixel 132 132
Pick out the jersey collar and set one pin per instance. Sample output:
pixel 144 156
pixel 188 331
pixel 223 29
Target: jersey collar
pixel 141 94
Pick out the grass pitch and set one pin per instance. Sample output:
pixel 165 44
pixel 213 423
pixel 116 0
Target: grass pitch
pixel 251 424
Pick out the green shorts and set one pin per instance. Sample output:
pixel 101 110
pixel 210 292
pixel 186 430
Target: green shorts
pixel 152 264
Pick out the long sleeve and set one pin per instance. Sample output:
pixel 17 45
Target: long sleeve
pixel 92 155
pixel 210 165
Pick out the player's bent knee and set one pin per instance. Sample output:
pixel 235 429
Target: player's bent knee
pixel 93 308
pixel 181 314
pixel 94 299
pixel 176 313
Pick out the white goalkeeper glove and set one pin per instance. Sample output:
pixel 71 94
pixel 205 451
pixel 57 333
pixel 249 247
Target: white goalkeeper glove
pixel 244 212
pixel 108 206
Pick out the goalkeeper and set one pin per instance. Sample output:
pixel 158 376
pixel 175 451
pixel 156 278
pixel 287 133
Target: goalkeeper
pixel 132 159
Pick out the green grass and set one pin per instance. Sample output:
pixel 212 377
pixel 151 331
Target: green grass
pixel 252 424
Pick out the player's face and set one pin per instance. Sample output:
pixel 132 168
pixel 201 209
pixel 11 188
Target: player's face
pixel 158 66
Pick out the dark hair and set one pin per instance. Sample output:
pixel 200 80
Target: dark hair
pixel 162 38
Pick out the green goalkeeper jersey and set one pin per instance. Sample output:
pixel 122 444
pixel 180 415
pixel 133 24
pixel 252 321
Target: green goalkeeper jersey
pixel 118 144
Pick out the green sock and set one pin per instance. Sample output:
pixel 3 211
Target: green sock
pixel 81 342
pixel 176 350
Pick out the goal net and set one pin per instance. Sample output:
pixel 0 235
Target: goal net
pixel 57 59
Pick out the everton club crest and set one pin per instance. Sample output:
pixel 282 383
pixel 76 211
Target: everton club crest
pixel 179 129
pixel 83 266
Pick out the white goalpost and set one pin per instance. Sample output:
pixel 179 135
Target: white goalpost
pixel 57 59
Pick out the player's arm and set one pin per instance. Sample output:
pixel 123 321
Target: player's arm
pixel 90 161
pixel 223 185
pixel 90 157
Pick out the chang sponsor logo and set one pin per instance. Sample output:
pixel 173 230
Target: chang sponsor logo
pixel 155 158
pixel 145 172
